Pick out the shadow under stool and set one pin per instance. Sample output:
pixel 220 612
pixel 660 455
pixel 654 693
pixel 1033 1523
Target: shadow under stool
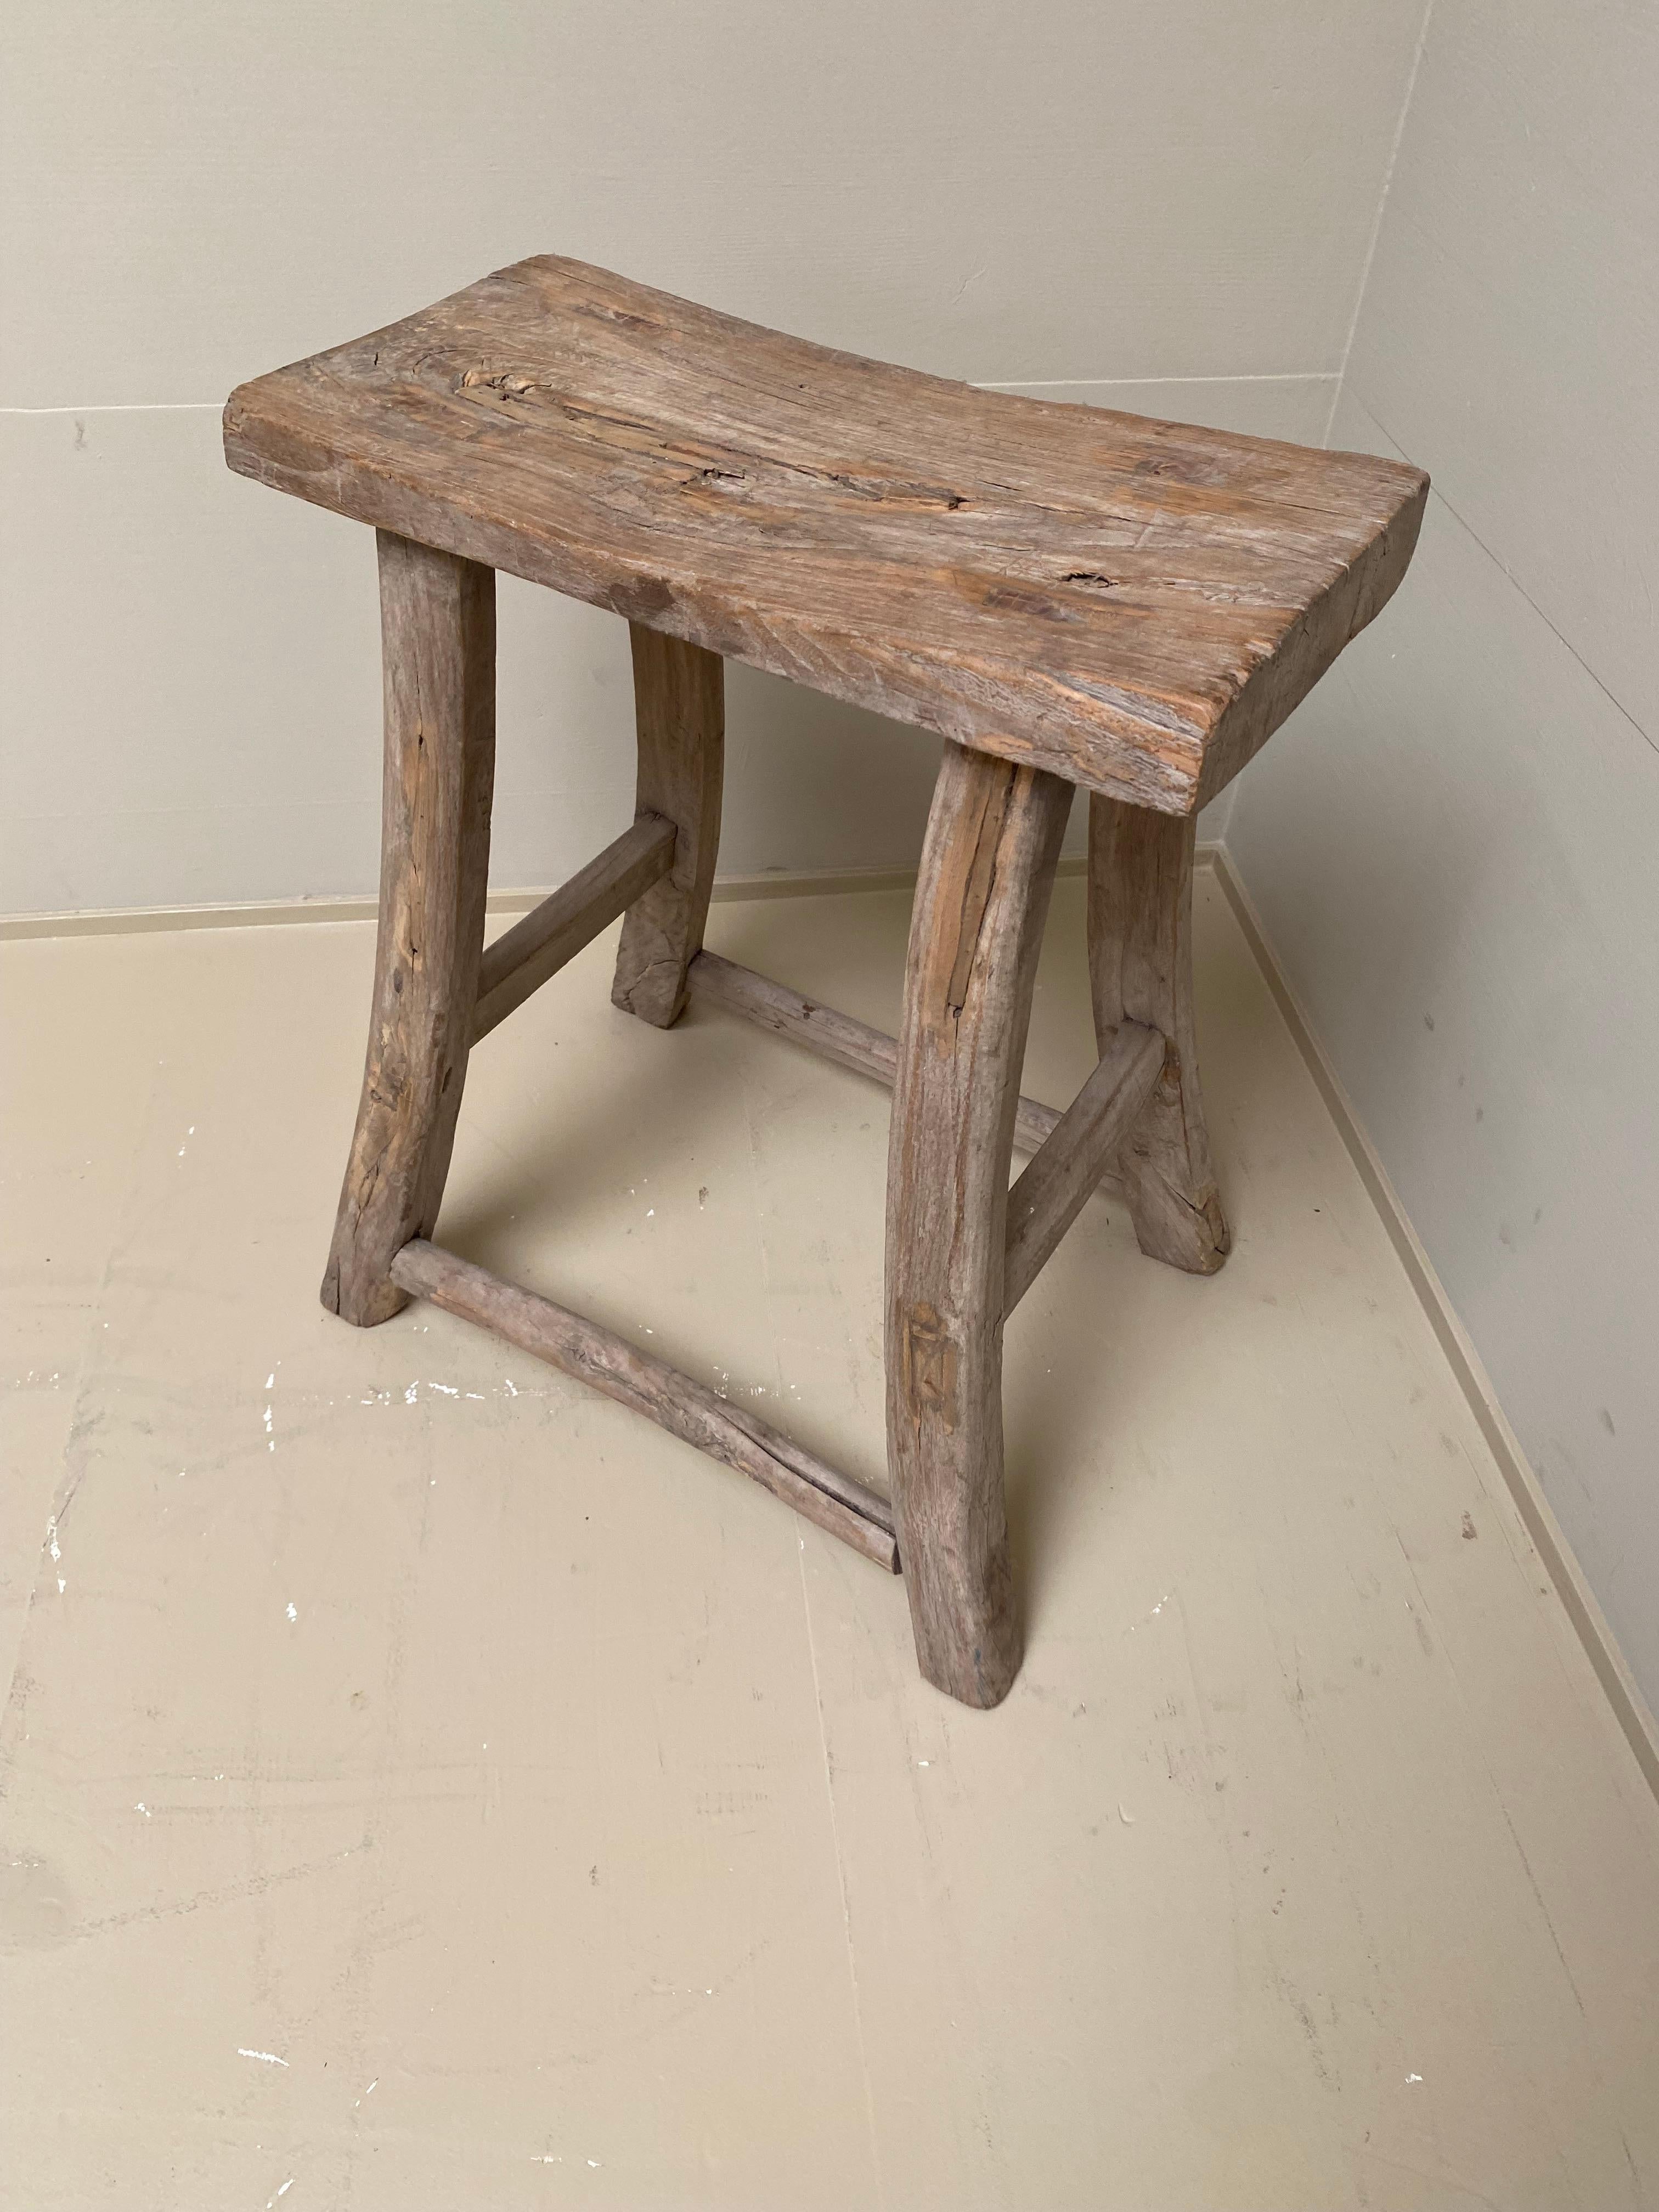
pixel 1069 596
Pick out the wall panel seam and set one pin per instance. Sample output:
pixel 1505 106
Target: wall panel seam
pixel 1382 203
pixel 1511 579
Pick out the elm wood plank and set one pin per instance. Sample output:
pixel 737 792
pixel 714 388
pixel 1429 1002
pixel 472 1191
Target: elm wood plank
pixel 717 982
pixel 610 1364
pixel 1132 604
pixel 679 711
pixel 987 866
pixel 540 943
pixel 833 1036
pixel 438 637
pixel 1054 1189
pixel 1140 969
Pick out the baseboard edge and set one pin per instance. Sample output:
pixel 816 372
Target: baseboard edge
pixel 1630 1708
pixel 118 921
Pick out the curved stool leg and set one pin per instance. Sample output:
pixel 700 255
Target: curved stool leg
pixel 679 706
pixel 1140 969
pixel 438 639
pixel 987 867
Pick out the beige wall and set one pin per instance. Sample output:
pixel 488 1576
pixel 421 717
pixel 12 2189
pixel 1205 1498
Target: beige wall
pixel 1166 207
pixel 1453 843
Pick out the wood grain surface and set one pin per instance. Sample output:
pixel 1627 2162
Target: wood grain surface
pixel 676 1401
pixel 438 639
pixel 1056 1186
pixel 1133 604
pixel 538 944
pixel 987 866
pixel 679 715
pixel 825 1030
pixel 1140 969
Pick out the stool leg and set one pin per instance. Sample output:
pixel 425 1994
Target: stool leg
pixel 438 643
pixel 987 867
pixel 679 705
pixel 1140 969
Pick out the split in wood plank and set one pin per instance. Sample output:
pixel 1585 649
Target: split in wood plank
pixel 1054 1189
pixel 523 958
pixel 689 1409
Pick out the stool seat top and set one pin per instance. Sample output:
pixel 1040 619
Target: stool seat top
pixel 1134 604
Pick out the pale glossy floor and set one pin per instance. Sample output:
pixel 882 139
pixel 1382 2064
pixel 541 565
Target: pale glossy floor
pixel 426 1786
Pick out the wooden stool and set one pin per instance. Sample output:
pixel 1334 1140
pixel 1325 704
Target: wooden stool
pixel 1069 596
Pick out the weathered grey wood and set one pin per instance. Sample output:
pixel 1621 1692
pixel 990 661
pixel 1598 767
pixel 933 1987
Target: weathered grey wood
pixel 1068 595
pixel 536 946
pixel 1140 969
pixel 609 1363
pixel 833 1036
pixel 438 639
pixel 841 1037
pixel 680 707
pixel 1054 1189
pixel 987 866
pixel 1134 604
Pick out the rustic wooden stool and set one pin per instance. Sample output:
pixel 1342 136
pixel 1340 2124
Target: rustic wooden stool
pixel 1069 597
